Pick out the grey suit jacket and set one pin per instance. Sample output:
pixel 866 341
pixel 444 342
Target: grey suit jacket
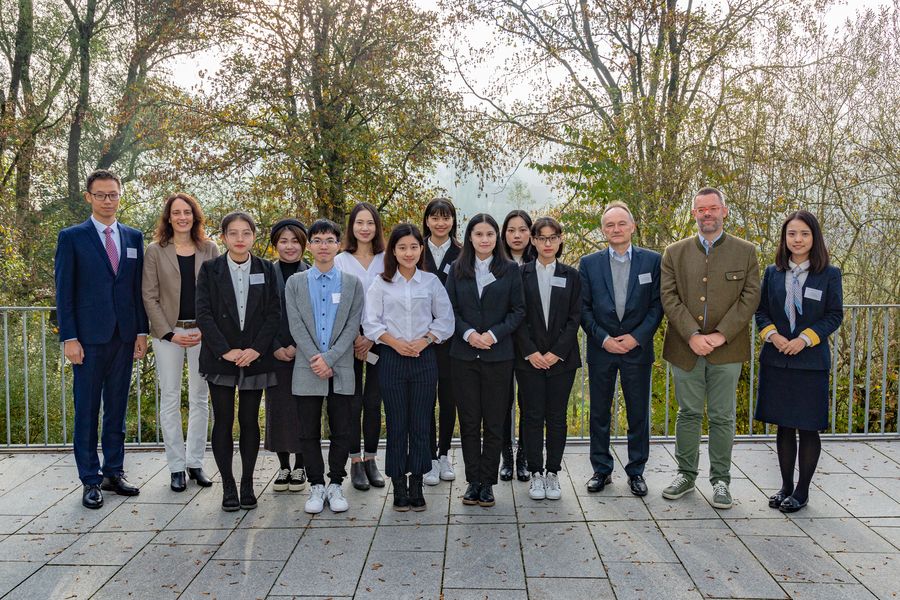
pixel 302 323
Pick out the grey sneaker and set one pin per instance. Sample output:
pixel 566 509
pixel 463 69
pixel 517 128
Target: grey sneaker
pixel 680 486
pixel 721 497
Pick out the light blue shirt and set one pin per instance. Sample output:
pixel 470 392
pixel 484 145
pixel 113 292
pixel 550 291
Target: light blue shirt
pixel 708 245
pixel 100 227
pixel 613 255
pixel 325 294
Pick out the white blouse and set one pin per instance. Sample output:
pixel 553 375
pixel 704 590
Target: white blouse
pixel 408 310
pixel 347 262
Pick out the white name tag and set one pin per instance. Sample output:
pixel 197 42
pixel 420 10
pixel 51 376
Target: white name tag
pixel 813 294
pixel 257 278
pixel 371 358
pixel 336 298
pixel 558 282
pixel 489 279
pixel 645 278
pixel 131 252
pixel 447 268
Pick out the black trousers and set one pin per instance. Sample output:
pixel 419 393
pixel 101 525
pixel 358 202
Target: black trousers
pixel 545 399
pixel 481 389
pixel 366 408
pixel 339 420
pixel 508 422
pixel 407 388
pixel 636 389
pixel 441 438
pixel 222 399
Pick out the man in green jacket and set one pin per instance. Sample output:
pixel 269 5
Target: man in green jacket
pixel 709 291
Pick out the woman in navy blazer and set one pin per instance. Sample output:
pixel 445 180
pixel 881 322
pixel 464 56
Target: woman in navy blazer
pixel 547 354
pixel 801 305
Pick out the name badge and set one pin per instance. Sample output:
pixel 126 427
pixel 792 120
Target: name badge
pixel 645 278
pixel 131 252
pixel 813 294
pixel 371 358
pixel 558 282
pixel 336 298
pixel 447 268
pixel 489 279
pixel 257 278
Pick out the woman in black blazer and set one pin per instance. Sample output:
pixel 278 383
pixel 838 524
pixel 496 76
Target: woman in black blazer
pixel 801 305
pixel 547 354
pixel 441 249
pixel 485 289
pixel 238 313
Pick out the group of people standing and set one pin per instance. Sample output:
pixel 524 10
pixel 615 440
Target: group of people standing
pixel 422 319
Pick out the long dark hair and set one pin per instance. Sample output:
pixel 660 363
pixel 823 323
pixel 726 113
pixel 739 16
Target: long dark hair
pixel 351 244
pixel 164 232
pixel 529 253
pixel 390 261
pixel 818 255
pixel 464 266
pixel 441 207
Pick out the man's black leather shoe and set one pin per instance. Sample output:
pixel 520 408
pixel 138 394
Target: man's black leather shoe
pixel 197 474
pixel 91 496
pixel 472 494
pixel 506 467
pixel 486 496
pixel 178 483
pixel 598 482
pixel 119 485
pixel 638 485
pixel 522 473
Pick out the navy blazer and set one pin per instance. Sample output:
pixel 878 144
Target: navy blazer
pixel 561 335
pixel 643 309
pixel 500 309
pixel 820 318
pixel 91 300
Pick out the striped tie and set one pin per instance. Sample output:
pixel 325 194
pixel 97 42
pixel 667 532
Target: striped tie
pixel 793 301
pixel 111 251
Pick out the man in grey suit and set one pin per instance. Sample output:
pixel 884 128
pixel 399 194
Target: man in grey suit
pixel 324 308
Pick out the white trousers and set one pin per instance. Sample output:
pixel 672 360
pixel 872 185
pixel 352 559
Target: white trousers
pixel 170 366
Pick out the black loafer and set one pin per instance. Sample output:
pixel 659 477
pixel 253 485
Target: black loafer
pixel 119 485
pixel 472 494
pixel 199 476
pixel 178 483
pixel 777 498
pixel 92 497
pixel 791 505
pixel 638 485
pixel 486 496
pixel 598 482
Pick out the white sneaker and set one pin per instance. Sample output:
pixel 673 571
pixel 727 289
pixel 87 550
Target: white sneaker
pixel 433 477
pixel 316 501
pixel 537 491
pixel 551 486
pixel 447 473
pixel 335 496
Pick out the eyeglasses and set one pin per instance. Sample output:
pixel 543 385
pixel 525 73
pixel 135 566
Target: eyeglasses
pixel 112 196
pixel 319 242
pixel 713 210
pixel 541 239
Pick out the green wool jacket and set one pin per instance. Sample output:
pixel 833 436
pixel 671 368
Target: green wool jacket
pixel 708 294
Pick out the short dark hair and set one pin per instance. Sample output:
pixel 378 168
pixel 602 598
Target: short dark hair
pixel 390 261
pixel 464 266
pixel 818 255
pixel 529 253
pixel 548 222
pixel 706 191
pixel 101 174
pixel 238 215
pixel 441 207
pixel 350 242
pixel 325 226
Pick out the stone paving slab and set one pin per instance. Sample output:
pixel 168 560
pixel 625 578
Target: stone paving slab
pixel 57 581
pixel 401 575
pixel 157 571
pixel 647 581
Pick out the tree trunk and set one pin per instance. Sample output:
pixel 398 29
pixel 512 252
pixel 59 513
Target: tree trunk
pixel 84 29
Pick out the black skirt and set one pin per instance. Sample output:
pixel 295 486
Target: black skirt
pixel 282 414
pixel 793 397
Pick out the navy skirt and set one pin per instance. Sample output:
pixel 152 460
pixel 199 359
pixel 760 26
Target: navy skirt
pixel 795 398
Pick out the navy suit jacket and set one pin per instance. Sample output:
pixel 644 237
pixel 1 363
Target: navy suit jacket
pixel 91 300
pixel 820 318
pixel 643 309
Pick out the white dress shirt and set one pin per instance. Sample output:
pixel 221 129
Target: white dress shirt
pixel 408 310
pixel 347 262
pixel 545 286
pixel 483 277
pixel 438 252
pixel 101 228
pixel 240 279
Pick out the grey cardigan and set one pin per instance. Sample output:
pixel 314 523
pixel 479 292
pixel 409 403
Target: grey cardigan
pixel 302 323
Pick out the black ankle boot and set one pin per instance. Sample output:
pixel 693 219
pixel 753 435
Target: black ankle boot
pixel 401 494
pixel 506 467
pixel 248 498
pixel 473 491
pixel 230 501
pixel 521 464
pixel 416 499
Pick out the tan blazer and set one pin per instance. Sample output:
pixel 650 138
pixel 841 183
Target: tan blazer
pixel 707 294
pixel 161 286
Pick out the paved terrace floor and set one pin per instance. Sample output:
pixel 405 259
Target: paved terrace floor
pixel 160 544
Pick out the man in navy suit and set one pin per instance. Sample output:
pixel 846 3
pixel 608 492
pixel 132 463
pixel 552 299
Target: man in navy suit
pixel 104 328
pixel 620 313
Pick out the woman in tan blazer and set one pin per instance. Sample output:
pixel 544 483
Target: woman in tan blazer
pixel 171 265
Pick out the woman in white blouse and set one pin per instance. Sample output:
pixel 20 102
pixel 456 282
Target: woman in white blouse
pixel 407 311
pixel 363 256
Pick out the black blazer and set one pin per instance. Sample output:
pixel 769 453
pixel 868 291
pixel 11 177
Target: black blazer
pixel 500 309
pixel 561 337
pixel 217 317
pixel 442 270
pixel 643 308
pixel 823 311
pixel 283 338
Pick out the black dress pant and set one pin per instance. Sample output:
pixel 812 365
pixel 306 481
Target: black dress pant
pixel 508 421
pixel 407 388
pixel 481 390
pixel 222 399
pixel 339 419
pixel 442 435
pixel 635 379
pixel 366 408
pixel 545 399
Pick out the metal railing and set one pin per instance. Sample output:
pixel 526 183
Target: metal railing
pixel 863 384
